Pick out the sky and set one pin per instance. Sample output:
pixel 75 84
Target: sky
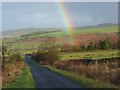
pixel 18 15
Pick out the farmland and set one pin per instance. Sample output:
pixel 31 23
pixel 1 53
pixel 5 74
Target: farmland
pixel 94 43
pixel 30 42
pixel 94 55
pixel 60 45
pixel 82 34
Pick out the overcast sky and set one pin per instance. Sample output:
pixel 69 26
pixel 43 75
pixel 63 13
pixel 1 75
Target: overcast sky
pixel 42 15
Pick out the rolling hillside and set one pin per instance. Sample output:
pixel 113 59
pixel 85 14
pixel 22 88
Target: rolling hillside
pixel 19 32
pixel 31 39
pixel 85 29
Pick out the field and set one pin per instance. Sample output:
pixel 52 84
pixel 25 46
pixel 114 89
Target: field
pixel 82 35
pixel 99 29
pixel 93 43
pixel 60 45
pixel 94 55
pixel 20 32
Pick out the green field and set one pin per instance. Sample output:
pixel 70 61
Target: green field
pixel 98 29
pixel 21 43
pixel 29 47
pixel 24 46
pixel 98 54
pixel 83 31
pixel 79 31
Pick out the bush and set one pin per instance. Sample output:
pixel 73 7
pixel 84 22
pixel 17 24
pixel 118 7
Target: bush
pixel 14 58
pixel 105 44
pixel 47 53
pixel 103 72
pixel 91 47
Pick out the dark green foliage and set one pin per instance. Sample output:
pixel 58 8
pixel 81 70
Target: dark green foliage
pixel 105 44
pixel 91 46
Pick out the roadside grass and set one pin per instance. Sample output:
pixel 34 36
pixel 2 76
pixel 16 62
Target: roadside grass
pixel 83 81
pixel 24 80
pixel 97 54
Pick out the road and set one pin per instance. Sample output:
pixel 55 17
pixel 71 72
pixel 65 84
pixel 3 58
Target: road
pixel 45 78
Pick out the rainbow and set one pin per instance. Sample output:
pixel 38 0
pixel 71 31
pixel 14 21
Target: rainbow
pixel 67 20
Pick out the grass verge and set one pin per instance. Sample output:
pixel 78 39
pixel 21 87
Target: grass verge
pixel 83 81
pixel 24 80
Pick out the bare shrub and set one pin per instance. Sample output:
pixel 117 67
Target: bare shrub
pixel 107 71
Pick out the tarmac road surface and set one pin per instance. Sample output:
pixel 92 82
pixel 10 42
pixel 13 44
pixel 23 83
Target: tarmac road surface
pixel 45 78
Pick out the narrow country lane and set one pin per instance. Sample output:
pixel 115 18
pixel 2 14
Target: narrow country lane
pixel 45 78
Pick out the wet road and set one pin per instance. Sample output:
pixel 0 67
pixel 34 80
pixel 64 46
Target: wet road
pixel 45 78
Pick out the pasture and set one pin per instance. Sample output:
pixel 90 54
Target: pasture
pixel 83 35
pixel 30 42
pixel 98 54
pixel 98 30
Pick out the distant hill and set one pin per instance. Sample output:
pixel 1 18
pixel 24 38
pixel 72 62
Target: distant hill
pixel 19 32
pixel 98 25
pixel 39 33
pixel 106 24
